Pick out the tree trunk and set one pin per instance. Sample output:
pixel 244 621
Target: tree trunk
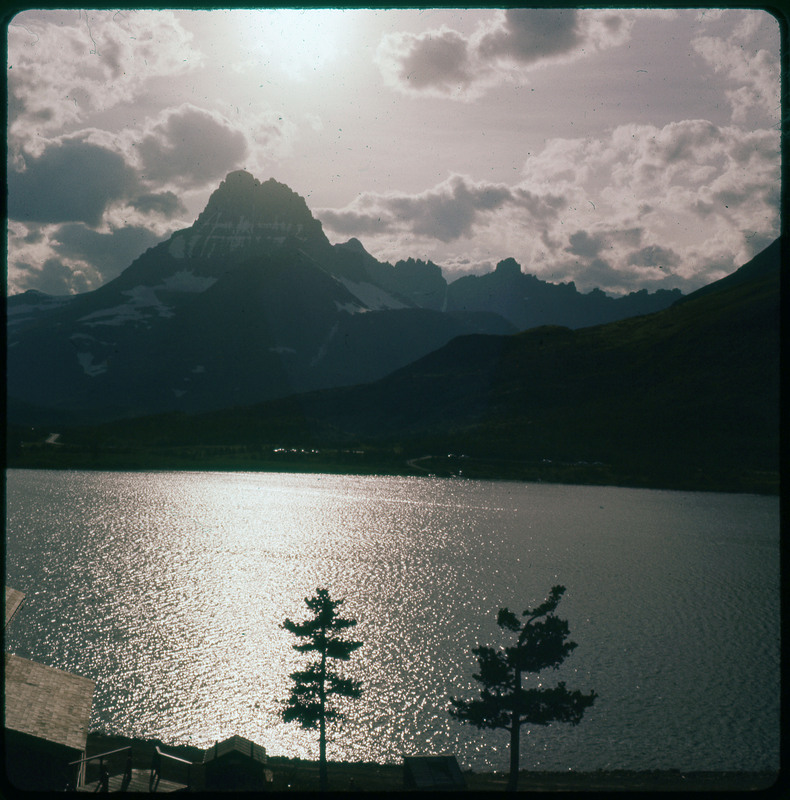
pixel 515 737
pixel 515 743
pixel 323 780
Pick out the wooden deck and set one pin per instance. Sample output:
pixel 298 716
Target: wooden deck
pixel 140 783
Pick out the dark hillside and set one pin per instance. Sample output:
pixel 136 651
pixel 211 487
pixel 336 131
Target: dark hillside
pixel 691 389
pixel 698 382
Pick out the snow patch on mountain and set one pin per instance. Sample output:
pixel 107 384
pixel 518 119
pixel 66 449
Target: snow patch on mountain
pixel 324 345
pixel 350 308
pixel 115 316
pixel 22 307
pixel 142 297
pixel 373 297
pixel 85 358
pixel 89 368
pixel 186 281
pixel 86 340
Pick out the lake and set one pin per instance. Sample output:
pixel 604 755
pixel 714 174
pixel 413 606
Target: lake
pixel 169 589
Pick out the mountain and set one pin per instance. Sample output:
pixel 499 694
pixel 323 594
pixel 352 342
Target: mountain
pixel 528 302
pixel 690 391
pixel 524 300
pixel 687 397
pixel 251 302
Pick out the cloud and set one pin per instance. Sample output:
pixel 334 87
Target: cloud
pixel 114 251
pixel 669 206
pixel 70 258
pixel 352 220
pixel 710 190
pixel 72 180
pixel 103 58
pixel 272 134
pixel 185 147
pixel 446 63
pixel 667 170
pixel 528 35
pixel 53 277
pixel 130 187
pixel 582 244
pixel 165 204
pixel 438 62
pixel 190 146
pixel 607 260
pixel 446 212
pixel 752 71
pixel 653 256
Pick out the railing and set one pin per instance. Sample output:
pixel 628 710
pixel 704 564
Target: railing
pixel 159 760
pixel 82 764
pixel 161 763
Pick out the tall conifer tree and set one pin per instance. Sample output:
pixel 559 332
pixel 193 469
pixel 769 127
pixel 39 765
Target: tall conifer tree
pixel 308 703
pixel 503 702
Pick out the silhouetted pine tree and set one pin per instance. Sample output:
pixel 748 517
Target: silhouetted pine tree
pixel 503 703
pixel 312 687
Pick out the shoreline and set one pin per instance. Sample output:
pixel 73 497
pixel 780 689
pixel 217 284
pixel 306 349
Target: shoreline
pixel 766 483
pixel 299 775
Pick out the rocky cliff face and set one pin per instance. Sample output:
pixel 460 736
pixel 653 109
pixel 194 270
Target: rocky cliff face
pixel 245 215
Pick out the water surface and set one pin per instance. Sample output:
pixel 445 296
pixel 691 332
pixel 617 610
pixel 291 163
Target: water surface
pixel 169 589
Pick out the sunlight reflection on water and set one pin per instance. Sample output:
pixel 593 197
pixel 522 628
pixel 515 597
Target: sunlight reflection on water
pixel 169 589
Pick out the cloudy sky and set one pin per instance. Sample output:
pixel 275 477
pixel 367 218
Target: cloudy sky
pixel 622 149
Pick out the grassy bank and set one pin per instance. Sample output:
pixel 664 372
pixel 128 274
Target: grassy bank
pixel 292 774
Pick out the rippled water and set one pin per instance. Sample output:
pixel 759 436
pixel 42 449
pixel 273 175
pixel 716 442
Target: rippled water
pixel 168 589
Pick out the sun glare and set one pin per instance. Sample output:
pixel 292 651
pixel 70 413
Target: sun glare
pixel 297 41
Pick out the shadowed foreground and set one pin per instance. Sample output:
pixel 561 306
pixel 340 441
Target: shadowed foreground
pixel 292 774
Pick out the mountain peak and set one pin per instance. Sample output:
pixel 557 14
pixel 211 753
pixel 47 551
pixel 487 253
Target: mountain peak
pixel 243 195
pixel 244 212
pixel 241 176
pixel 508 267
pixel 354 244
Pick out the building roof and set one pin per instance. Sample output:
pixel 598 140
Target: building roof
pixel 13 600
pixel 47 703
pixel 236 744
